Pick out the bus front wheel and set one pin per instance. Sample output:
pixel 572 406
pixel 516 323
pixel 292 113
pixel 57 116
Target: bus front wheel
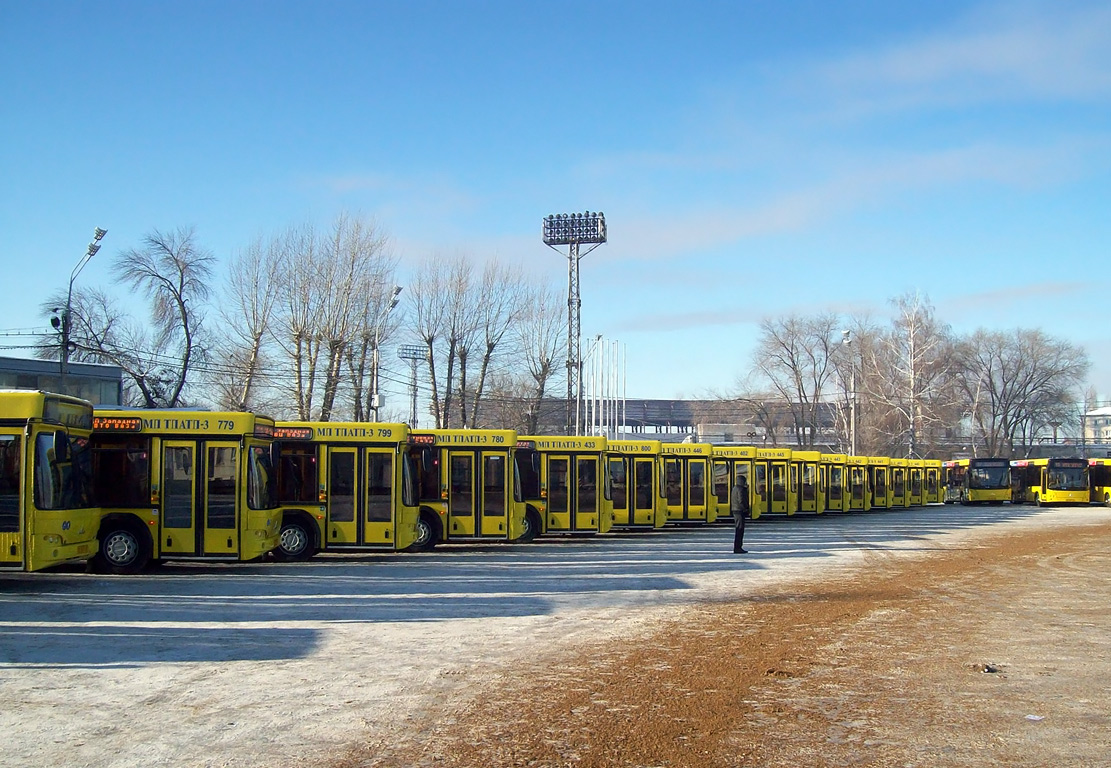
pixel 295 542
pixel 1107 499
pixel 123 550
pixel 532 527
pixel 1037 500
pixel 427 533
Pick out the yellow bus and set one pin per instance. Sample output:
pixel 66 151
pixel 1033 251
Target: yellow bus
pixel 1050 481
pixel 468 487
pixel 1099 481
pixel 731 462
pixel 184 485
pixel 344 486
pixel 879 480
pixel 860 490
pixel 636 475
pixel 978 481
pixel 811 493
pixel 771 491
pixel 835 479
pixel 687 477
pixel 563 481
pixel 47 515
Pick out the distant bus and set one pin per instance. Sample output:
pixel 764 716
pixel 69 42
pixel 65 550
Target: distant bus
pixel 345 486
pixel 564 482
pixel 468 487
pixel 47 515
pixel 184 485
pixel 688 474
pixel 977 481
pixel 636 478
pixel 1050 481
pixel 1099 481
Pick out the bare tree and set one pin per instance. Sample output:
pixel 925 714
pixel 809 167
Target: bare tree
pixel 498 307
pixel 1017 384
pixel 796 356
pixel 174 274
pixel 329 289
pixel 540 333
pixel 250 301
pixel 913 374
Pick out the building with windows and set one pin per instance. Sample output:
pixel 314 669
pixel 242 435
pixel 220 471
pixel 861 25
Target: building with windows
pixel 99 384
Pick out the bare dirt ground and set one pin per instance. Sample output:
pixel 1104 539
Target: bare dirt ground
pixel 995 652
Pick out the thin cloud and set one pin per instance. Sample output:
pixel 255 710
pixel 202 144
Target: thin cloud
pixel 1052 52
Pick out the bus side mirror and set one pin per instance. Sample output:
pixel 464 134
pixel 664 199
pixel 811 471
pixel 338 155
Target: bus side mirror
pixel 61 447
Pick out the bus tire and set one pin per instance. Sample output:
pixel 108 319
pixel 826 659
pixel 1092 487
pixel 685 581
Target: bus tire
pixel 296 542
pixel 124 548
pixel 532 526
pixel 428 532
pixel 1037 500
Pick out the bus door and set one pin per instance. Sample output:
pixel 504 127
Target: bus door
pixel 759 489
pixel 199 518
pixel 879 488
pixel 572 492
pixel 381 496
pixel 463 495
pixel 777 481
pixel 619 487
pixel 858 489
pixel 180 532
pixel 11 497
pixel 808 485
pixel 478 500
pixel 495 500
pixel 914 495
pixel 898 497
pixel 220 499
pixel 836 487
pixel 644 491
pixel 343 480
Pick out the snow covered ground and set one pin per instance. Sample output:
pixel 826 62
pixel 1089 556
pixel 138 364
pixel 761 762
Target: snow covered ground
pixel 266 663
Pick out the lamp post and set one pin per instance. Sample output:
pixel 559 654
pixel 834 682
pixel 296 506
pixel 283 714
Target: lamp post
pixel 414 353
pixel 374 398
pixel 63 324
pixel 847 341
pixel 572 230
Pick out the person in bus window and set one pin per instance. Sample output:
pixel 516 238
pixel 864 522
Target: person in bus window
pixel 739 507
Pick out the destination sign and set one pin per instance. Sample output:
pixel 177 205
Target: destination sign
pixel 117 424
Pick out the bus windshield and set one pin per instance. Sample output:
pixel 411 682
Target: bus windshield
pixel 262 491
pixel 989 477
pixel 1068 479
pixel 63 472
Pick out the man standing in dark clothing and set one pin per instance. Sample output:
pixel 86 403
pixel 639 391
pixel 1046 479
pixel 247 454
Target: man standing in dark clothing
pixel 739 507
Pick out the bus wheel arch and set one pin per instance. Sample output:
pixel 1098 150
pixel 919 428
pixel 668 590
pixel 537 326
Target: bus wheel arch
pixel 299 538
pixel 429 531
pixel 126 545
pixel 533 525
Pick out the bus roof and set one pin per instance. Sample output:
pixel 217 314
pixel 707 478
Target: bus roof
pixel 24 404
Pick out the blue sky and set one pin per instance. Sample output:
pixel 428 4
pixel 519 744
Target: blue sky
pixel 752 159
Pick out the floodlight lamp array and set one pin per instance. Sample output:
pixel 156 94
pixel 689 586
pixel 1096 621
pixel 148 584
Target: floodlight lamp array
pixel 568 228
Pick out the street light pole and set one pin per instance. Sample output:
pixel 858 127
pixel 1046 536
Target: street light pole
pixel 847 341
pixel 63 324
pixel 374 398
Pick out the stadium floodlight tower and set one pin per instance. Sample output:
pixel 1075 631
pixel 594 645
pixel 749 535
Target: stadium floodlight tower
pixel 414 353
pixel 573 230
